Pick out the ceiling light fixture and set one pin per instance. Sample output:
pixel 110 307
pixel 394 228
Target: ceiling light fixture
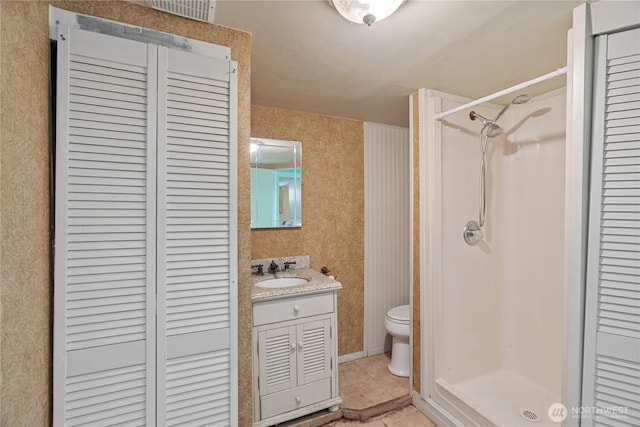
pixel 366 11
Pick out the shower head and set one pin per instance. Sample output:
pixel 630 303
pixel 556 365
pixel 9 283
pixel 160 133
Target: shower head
pixel 490 126
pixel 520 99
pixel 493 130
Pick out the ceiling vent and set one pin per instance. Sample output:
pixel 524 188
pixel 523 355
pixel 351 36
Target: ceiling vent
pixel 200 10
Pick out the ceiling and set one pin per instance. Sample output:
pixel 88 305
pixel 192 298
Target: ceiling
pixel 306 57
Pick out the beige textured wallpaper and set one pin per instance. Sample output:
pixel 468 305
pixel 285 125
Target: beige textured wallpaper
pixel 26 286
pixel 416 241
pixel 332 232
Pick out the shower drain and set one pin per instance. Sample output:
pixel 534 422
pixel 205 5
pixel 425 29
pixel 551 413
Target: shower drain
pixel 530 415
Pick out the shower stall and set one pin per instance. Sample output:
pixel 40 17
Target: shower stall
pixel 495 302
pixel 530 316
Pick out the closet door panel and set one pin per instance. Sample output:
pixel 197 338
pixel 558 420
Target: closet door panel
pixel 196 274
pixel 105 226
pixel 612 321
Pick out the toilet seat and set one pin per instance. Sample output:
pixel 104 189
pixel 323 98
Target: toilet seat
pixel 400 314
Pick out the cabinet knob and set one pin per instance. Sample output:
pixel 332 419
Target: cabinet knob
pixel 300 345
pixel 296 308
pixel 293 346
pixel 298 399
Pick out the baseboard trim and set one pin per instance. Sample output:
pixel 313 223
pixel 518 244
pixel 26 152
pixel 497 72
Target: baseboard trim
pixel 349 357
pixel 376 351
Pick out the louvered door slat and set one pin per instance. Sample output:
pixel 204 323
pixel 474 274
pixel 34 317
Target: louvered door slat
pixel 198 389
pixel 612 325
pixel 104 262
pixel 101 409
pixel 195 225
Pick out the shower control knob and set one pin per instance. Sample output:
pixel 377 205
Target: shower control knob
pixel 472 233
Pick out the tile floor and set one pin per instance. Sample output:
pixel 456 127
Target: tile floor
pixel 368 388
pixel 408 416
pixel 371 396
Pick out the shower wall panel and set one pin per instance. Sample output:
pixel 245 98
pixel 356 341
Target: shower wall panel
pixel 468 334
pixel 526 211
pixel 500 304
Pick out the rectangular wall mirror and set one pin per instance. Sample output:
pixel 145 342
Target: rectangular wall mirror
pixel 276 183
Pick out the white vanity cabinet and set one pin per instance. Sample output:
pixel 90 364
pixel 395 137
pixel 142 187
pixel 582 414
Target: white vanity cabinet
pixel 295 357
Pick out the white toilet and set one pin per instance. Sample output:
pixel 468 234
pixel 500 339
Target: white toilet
pixel 397 324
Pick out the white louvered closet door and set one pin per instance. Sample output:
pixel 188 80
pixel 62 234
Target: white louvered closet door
pixel 612 321
pixel 104 315
pixel 196 239
pixel 146 237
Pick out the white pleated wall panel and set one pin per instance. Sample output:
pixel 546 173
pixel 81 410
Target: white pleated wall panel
pixel 387 229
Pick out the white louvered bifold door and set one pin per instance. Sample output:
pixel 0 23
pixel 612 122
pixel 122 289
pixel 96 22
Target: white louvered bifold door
pixel 104 315
pixel 612 317
pixel 145 204
pixel 196 239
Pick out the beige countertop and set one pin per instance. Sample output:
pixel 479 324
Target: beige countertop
pixel 317 282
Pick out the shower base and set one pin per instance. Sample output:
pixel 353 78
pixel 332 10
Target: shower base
pixel 500 396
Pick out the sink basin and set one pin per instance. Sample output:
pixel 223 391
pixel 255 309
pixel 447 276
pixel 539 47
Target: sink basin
pixel 283 282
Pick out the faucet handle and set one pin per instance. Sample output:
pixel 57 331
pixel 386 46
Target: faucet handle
pixel 260 272
pixel 287 264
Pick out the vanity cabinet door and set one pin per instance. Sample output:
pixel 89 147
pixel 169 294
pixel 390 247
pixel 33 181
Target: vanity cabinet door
pixel 314 351
pixel 277 359
pixel 294 355
pixel 294 361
